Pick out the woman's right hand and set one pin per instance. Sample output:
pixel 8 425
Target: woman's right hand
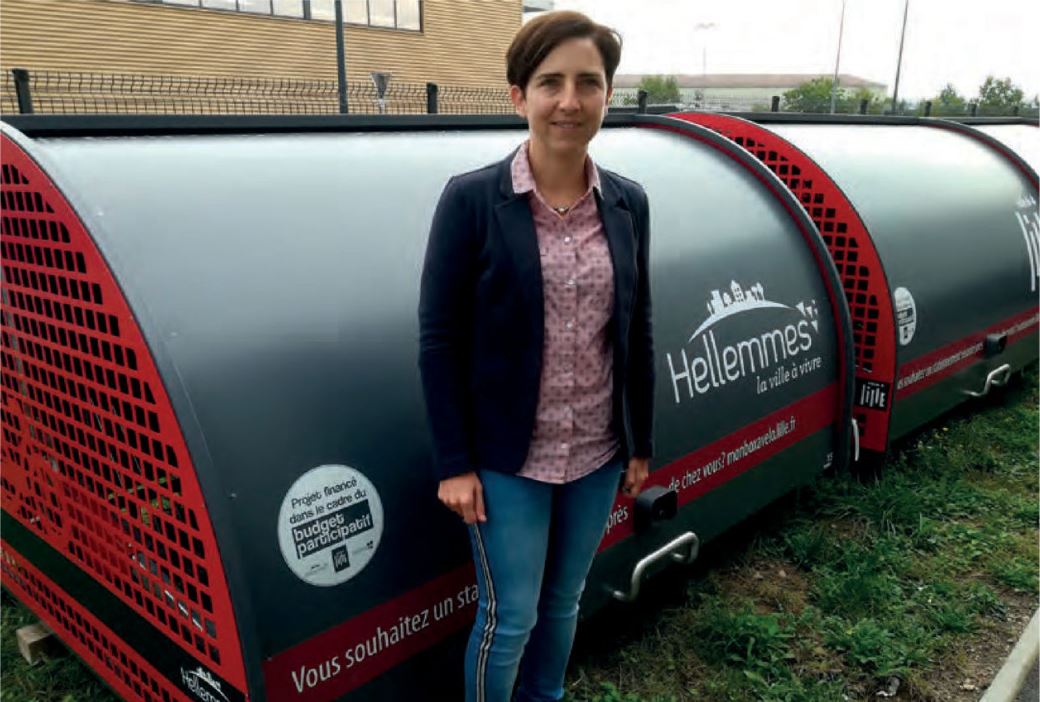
pixel 464 495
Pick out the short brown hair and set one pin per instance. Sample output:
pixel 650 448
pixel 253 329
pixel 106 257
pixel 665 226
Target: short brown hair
pixel 540 36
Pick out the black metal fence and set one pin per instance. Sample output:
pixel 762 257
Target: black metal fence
pixel 720 102
pixel 54 92
pixel 67 92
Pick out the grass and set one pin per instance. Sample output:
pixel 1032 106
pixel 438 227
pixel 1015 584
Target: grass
pixel 834 593
pixel 60 679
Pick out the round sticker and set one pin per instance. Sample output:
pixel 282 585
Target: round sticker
pixel 906 315
pixel 329 525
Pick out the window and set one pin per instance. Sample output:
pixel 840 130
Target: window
pixel 355 11
pixel 399 14
pixel 262 7
pixel 381 13
pixel 408 15
pixel 287 8
pixel 393 14
pixel 319 10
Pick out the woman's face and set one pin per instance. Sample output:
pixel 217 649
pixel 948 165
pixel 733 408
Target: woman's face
pixel 566 98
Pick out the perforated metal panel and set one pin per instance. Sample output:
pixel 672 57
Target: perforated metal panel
pixel 857 261
pixel 94 461
pixel 130 675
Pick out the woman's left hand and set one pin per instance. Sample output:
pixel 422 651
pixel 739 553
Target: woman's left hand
pixel 638 469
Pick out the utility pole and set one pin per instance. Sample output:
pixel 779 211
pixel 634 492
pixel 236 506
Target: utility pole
pixel 899 61
pixel 341 60
pixel 837 59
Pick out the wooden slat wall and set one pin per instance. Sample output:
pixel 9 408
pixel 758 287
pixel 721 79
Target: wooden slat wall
pixel 463 42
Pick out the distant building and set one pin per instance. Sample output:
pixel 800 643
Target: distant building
pixel 450 42
pixel 739 91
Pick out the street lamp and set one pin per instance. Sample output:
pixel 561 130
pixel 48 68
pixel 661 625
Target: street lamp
pixel 704 48
pixel 837 59
pixel 899 61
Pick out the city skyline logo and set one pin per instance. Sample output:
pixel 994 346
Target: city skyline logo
pixel 203 685
pixel 726 303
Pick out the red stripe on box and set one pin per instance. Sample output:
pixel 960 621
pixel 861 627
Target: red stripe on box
pixel 710 466
pixel 356 651
pixel 927 370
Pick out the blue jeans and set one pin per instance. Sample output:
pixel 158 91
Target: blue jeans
pixel 532 556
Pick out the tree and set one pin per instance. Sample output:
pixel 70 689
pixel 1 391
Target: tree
pixel 875 103
pixel 661 90
pixel 949 102
pixel 999 95
pixel 949 97
pixel 812 96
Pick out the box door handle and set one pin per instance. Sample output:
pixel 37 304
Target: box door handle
pixel 997 377
pixel 682 549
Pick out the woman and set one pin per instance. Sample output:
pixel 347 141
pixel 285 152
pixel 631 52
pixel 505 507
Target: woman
pixel 537 358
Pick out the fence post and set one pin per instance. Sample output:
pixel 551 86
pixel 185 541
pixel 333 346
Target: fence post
pixel 974 109
pixel 928 108
pixel 431 98
pixel 341 61
pixel 641 96
pixel 863 106
pixel 21 90
pixel 774 105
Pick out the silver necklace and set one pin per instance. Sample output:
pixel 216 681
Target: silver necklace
pixel 562 210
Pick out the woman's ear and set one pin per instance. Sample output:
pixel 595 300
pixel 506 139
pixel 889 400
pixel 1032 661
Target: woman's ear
pixel 516 95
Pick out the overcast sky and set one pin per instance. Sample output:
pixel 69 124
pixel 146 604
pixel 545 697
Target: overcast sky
pixel 956 41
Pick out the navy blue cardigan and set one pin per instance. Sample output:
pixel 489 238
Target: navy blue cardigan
pixel 481 322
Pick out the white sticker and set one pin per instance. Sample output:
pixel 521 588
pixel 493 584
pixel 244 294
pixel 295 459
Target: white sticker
pixel 329 525
pixel 906 315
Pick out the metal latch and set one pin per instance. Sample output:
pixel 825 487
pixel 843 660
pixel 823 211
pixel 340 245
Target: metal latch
pixel 994 344
pixel 655 504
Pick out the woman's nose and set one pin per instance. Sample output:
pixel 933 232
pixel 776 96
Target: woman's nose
pixel 569 97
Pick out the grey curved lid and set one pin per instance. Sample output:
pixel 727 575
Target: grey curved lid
pixel 943 210
pixel 1023 139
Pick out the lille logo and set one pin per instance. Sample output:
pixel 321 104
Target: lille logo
pixel 340 559
pixel 1029 221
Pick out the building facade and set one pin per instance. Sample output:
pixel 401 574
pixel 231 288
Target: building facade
pixel 449 42
pixel 724 91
